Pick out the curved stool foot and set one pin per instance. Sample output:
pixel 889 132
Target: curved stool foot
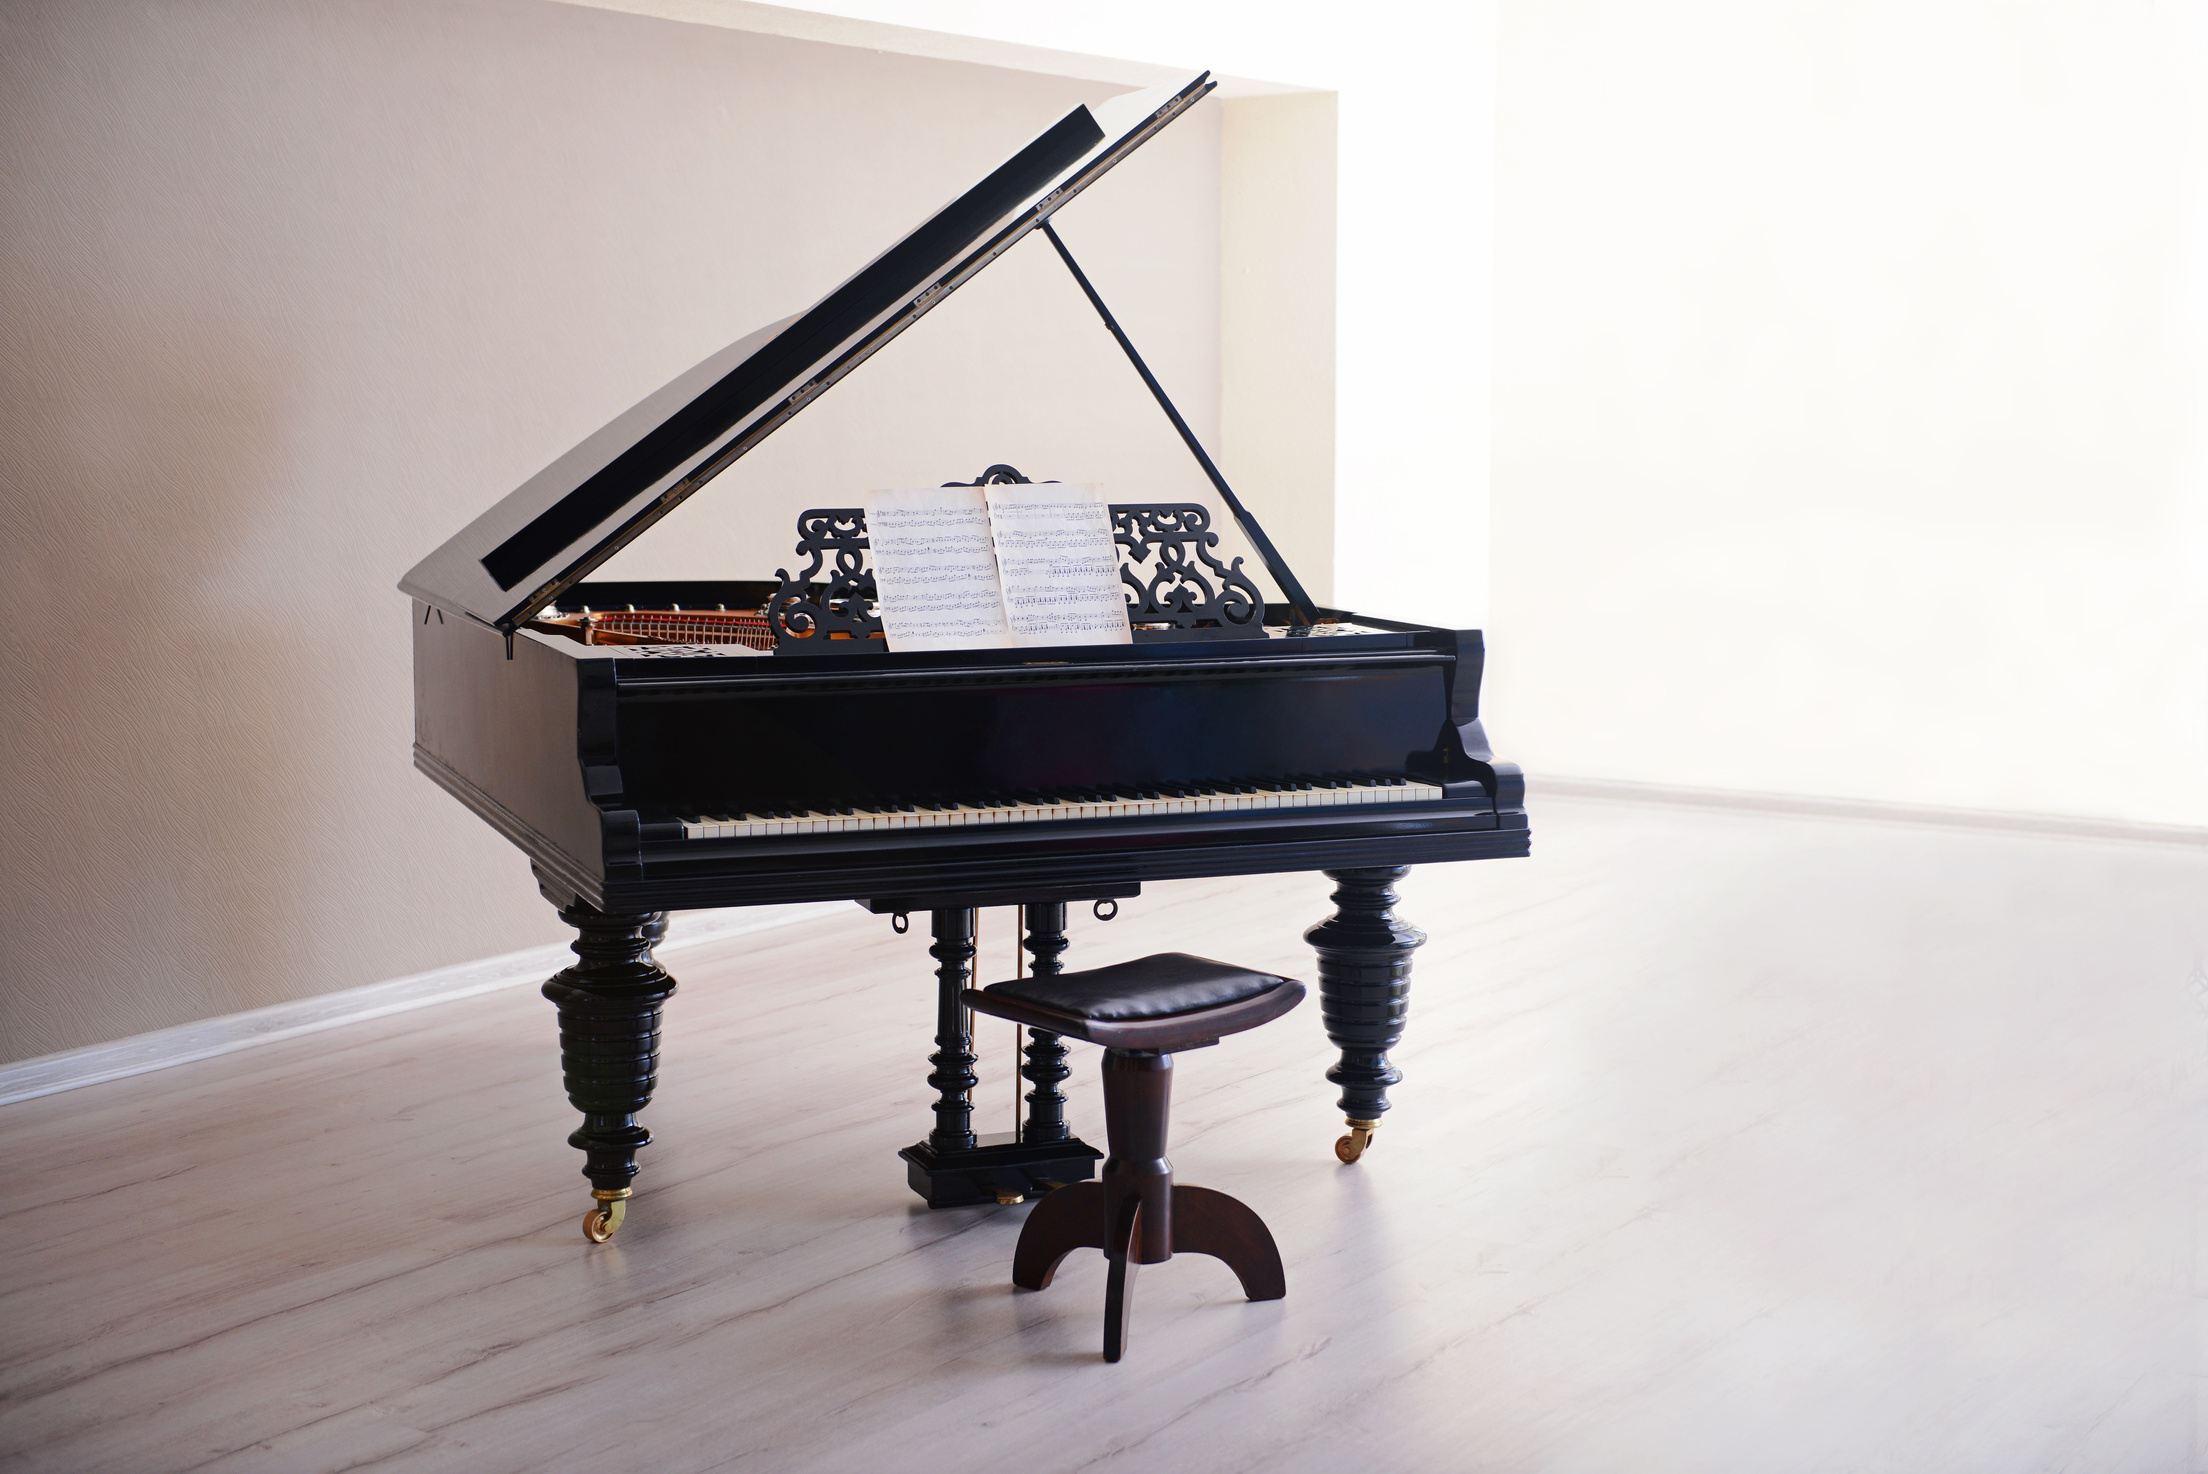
pixel 1208 1222
pixel 1068 1218
pixel 1119 1281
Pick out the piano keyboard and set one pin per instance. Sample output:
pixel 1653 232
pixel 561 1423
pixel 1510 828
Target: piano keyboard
pixel 1252 796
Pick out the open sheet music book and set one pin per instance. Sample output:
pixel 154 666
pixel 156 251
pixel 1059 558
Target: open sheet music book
pixel 996 567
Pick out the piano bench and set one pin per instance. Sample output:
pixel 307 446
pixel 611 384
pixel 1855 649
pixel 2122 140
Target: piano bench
pixel 1142 1012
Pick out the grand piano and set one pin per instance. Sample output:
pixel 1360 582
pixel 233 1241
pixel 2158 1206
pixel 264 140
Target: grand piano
pixel 658 746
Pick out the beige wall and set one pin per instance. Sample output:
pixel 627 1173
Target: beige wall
pixel 293 290
pixel 1276 432
pixel 1852 400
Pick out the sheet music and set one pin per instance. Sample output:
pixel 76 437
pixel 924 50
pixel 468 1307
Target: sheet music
pixel 1058 565
pixel 935 571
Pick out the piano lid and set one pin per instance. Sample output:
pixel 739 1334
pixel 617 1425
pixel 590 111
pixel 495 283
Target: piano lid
pixel 592 502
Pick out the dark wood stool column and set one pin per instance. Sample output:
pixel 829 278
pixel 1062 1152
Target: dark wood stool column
pixel 609 1004
pixel 1364 993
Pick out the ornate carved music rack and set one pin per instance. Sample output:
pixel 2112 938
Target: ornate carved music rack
pixel 1178 587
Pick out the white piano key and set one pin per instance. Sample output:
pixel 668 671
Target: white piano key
pixel 1263 798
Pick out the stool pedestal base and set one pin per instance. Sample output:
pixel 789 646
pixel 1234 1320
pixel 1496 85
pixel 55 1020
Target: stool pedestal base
pixel 1136 1213
pixel 1204 1222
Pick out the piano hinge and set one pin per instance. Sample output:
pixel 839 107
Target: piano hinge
pixel 806 395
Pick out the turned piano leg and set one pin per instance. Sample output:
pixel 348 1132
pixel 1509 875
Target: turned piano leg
pixel 1364 993
pixel 609 1004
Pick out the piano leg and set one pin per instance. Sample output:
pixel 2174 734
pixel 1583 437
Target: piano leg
pixel 1364 993
pixel 609 1004
pixel 1046 1052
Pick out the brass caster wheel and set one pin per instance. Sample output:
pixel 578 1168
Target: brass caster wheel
pixel 1353 1146
pixel 601 1222
pixel 1006 1197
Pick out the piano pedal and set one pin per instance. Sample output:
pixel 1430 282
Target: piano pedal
pixel 1353 1146
pixel 601 1222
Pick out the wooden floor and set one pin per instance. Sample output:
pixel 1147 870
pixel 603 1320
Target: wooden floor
pixel 1729 1142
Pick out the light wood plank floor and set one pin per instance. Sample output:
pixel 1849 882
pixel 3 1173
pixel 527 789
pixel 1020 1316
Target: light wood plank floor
pixel 1729 1142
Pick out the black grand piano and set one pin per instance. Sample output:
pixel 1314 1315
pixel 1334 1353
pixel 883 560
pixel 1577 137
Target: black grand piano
pixel 657 746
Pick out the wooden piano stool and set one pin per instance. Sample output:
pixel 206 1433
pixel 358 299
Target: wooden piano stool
pixel 1143 1012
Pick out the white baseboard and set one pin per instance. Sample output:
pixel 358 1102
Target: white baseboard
pixel 51 1073
pixel 2056 826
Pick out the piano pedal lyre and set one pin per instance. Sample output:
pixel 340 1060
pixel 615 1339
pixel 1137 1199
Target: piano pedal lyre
pixel 601 1222
pixel 1353 1146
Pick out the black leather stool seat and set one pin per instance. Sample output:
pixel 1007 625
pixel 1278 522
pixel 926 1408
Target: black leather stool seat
pixel 1167 1001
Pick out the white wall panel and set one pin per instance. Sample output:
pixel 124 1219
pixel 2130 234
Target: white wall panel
pixel 1850 401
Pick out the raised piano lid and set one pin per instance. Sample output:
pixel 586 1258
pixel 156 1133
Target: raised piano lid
pixel 590 503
